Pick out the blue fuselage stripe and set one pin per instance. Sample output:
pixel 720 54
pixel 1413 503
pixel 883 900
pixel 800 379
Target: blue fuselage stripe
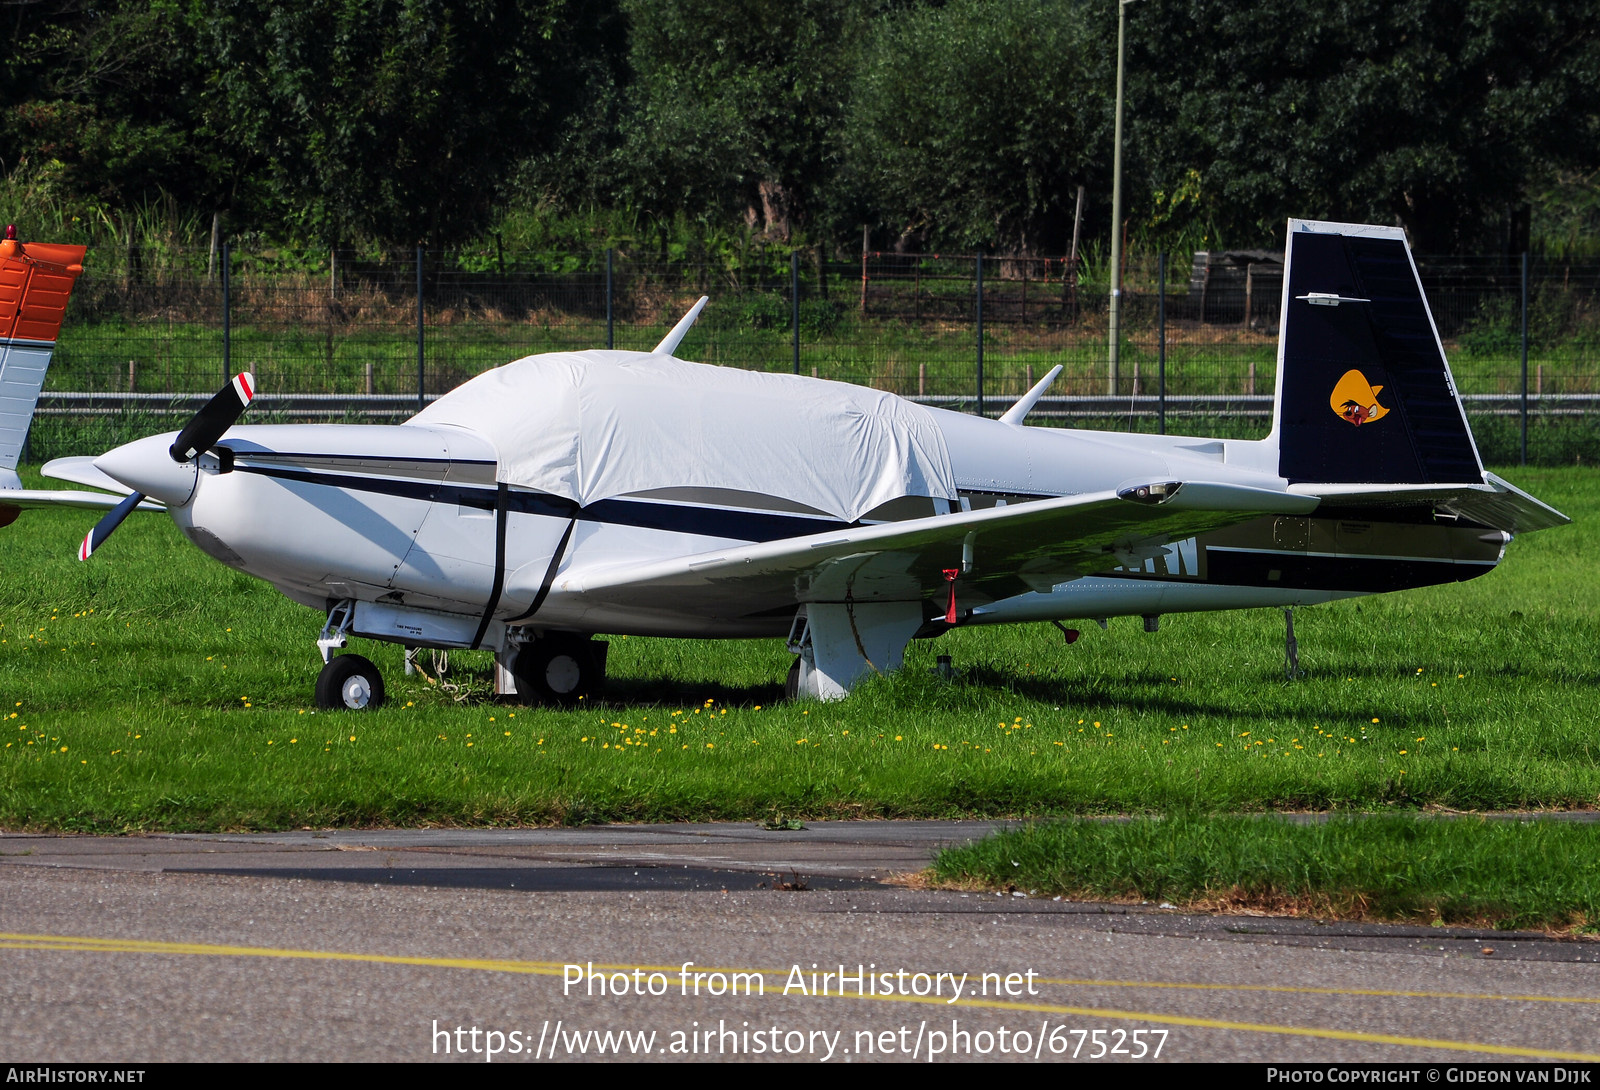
pixel 718 522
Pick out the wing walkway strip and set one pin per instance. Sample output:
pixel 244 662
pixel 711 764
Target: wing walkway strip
pixel 550 968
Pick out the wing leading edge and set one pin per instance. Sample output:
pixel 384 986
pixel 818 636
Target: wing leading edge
pixel 994 553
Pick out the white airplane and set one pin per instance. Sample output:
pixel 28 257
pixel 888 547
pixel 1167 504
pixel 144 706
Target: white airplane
pixel 572 494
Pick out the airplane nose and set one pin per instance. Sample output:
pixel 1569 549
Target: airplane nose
pixel 146 466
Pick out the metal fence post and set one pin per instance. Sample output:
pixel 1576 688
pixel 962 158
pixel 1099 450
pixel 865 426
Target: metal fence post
pixel 794 305
pixel 227 314
pixel 980 334
pixel 419 329
pixel 1524 357
pixel 610 312
pixel 1161 339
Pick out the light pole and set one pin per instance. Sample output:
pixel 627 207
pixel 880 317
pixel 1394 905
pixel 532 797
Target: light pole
pixel 1116 208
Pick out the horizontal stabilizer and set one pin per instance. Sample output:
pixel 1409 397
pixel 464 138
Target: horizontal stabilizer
pixel 1496 502
pixel 1507 508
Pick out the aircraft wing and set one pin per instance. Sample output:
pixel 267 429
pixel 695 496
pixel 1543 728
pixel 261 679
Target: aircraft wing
pixel 82 470
pixel 77 471
pixel 997 552
pixel 66 497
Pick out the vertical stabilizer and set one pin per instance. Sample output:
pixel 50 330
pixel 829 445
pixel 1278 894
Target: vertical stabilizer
pixel 36 280
pixel 1364 395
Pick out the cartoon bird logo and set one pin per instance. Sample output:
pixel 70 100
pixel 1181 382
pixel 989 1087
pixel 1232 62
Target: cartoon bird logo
pixel 1356 399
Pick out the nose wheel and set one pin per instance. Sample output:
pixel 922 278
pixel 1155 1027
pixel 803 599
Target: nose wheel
pixel 349 683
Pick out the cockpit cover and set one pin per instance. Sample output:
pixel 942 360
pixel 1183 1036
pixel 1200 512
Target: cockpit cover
pixel 589 426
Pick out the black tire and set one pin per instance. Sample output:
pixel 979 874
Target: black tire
pixel 791 683
pixel 349 683
pixel 558 670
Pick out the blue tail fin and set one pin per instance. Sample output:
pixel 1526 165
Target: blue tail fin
pixel 1364 395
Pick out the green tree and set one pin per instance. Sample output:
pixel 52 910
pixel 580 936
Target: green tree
pixel 399 121
pixel 973 124
pixel 734 106
pixel 1436 114
pixel 102 99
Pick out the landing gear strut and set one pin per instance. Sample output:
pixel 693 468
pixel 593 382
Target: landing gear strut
pixel 839 643
pixel 347 682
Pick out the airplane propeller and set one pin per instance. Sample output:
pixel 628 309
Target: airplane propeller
pixel 198 435
pixel 202 432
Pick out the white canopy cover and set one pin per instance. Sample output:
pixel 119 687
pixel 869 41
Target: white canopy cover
pixel 593 425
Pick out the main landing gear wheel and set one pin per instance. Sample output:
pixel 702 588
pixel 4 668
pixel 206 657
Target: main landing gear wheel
pixel 349 683
pixel 558 669
pixel 791 683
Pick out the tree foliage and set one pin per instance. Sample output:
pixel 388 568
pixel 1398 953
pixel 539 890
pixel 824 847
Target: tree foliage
pixel 1436 114
pixel 965 123
pixel 734 105
pixel 102 102
pixel 397 119
pixel 972 124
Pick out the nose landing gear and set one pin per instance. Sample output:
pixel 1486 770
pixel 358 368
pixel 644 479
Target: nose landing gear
pixel 349 683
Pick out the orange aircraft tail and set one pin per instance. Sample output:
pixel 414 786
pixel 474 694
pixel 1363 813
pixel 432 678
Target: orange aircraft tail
pixel 36 280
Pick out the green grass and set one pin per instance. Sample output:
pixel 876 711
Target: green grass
pixel 1446 870
pixel 181 692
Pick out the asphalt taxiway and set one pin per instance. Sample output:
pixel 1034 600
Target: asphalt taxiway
pixel 319 945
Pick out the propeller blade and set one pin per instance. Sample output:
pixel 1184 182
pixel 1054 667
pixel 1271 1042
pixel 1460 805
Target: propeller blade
pixel 102 529
pixel 219 414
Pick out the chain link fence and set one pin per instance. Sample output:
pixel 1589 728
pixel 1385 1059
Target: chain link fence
pixel 366 336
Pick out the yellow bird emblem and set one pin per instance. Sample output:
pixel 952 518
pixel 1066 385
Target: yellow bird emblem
pixel 1356 399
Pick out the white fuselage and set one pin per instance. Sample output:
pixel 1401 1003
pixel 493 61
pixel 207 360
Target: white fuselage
pixel 406 519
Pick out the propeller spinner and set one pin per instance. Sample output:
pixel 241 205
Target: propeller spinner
pixel 198 435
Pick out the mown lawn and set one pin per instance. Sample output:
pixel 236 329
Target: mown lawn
pixel 155 689
pixel 1508 873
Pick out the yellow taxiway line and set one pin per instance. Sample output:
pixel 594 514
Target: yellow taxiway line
pixel 86 944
